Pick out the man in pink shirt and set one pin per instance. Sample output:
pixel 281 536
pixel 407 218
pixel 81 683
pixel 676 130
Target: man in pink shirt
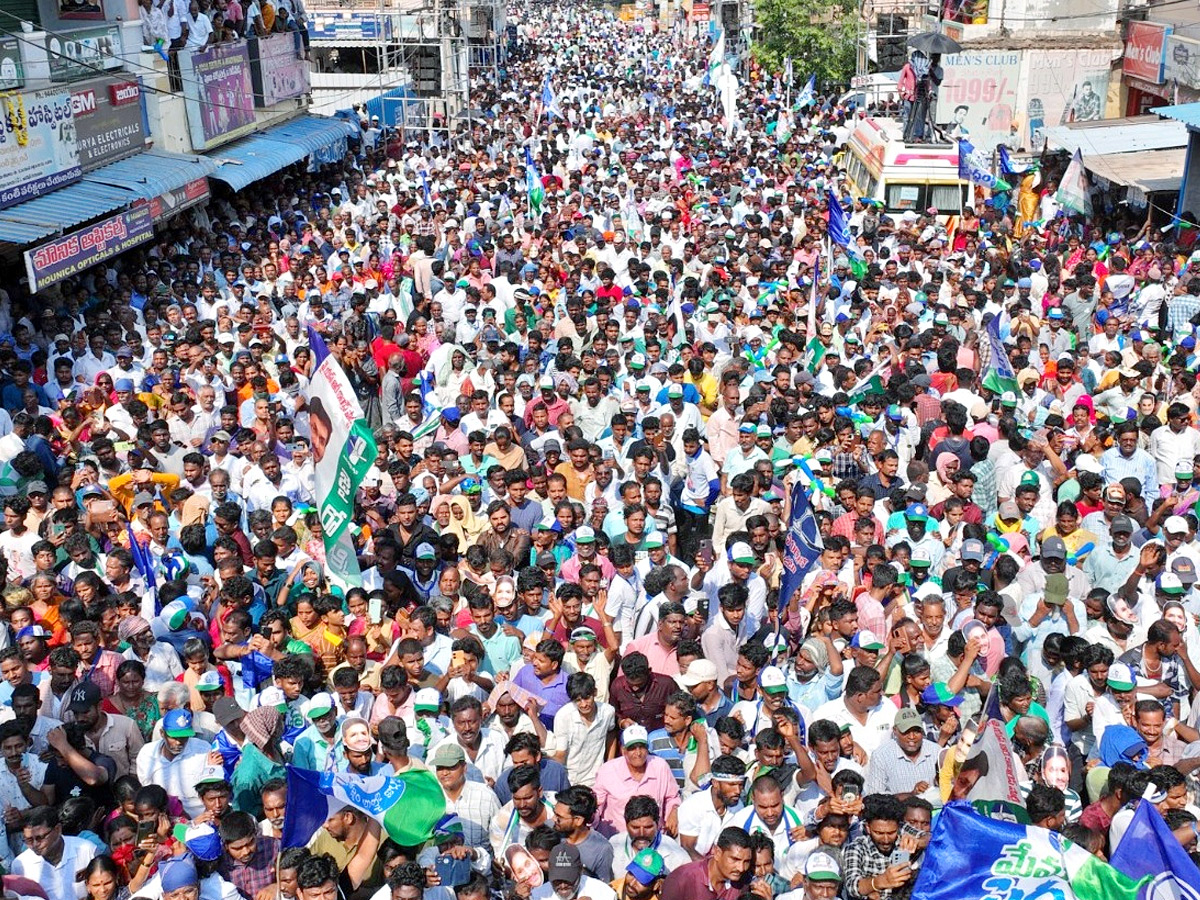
pixel 659 645
pixel 635 772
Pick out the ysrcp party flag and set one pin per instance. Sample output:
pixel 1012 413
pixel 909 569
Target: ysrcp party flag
pixel 343 450
pixel 408 805
pixel 801 548
pixel 1073 193
pixel 1150 849
pixel 974 167
pixel 970 856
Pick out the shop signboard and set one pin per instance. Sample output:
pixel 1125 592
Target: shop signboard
pixel 12 74
pixel 39 150
pixel 1182 61
pixel 72 253
pixel 218 94
pixel 978 97
pixel 1145 44
pixel 176 201
pixel 108 120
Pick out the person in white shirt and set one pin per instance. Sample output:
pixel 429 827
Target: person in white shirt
pixel 51 859
pixel 176 760
pixel 861 707
pixel 705 813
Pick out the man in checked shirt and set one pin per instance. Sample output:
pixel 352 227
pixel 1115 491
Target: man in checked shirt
pixel 249 858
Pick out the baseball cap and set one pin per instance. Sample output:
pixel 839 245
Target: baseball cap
pixel 1185 569
pixel 921 558
pixel 634 734
pixel 698 671
pixel 972 550
pixel 675 390
pixel 1056 590
pixel 427 700
pixel 565 864
pixel 866 640
pixel 821 866
pixel 1169 583
pixel 447 756
pixel 907 719
pixel 143 498
pixel 209 681
pixel 426 551
pixel 1009 511
pixel 772 680
pixel 583 633
pixel 740 552
pixel 1122 523
pixel 939 694
pixel 227 710
pixel 647 866
pixel 84 697
pixel 320 704
pixel 1120 677
pixel 1054 548
pixel 273 696
pixel 1175 525
pixel 32 631
pixel 178 724
pixel 1183 470
pixel 585 535
pixel 916 511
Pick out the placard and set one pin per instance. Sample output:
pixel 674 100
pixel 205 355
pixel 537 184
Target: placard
pixel 73 253
pixel 278 68
pixel 78 54
pixel 218 93
pixel 108 121
pixel 39 150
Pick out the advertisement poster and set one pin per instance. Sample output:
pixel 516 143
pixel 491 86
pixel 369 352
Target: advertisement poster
pixel 108 121
pixel 1144 46
pixel 278 68
pixel 12 75
pixel 78 54
pixel 48 157
pixel 218 94
pixel 65 256
pixel 1064 86
pixel 978 97
pixel 1182 61
pixel 80 9
pixel 176 201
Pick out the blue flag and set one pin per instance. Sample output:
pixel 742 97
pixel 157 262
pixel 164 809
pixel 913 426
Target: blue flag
pixel 144 563
pixel 1007 169
pixel 839 233
pixel 974 167
pixel 549 100
pixel 971 856
pixel 808 94
pixel 1149 848
pixel 801 548
pixel 1000 376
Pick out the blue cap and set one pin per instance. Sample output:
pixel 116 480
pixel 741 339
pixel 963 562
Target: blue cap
pixel 1056 313
pixel 1188 342
pixel 916 511
pixel 177 873
pixel 1024 284
pixel 178 724
pixel 451 414
pixel 124 384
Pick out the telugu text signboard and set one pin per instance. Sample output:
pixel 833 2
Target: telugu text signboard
pixel 39 150
pixel 72 253
pixel 218 94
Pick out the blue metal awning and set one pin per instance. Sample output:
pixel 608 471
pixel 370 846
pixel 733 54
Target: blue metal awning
pixel 142 176
pixel 153 173
pixel 59 211
pixel 246 161
pixel 264 154
pixel 1187 113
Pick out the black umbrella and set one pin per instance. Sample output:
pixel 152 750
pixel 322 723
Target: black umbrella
pixel 933 42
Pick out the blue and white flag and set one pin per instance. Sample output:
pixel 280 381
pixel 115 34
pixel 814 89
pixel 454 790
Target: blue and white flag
pixel 1150 849
pixel 426 196
pixel 1073 193
pixel 974 167
pixel 1008 169
pixel 808 94
pixel 788 71
pixel 970 856
pixel 839 232
pixel 801 548
pixel 550 100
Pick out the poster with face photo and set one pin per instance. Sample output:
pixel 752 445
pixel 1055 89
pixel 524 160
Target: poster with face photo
pixel 81 9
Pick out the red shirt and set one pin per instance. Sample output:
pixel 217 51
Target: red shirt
pixel 690 882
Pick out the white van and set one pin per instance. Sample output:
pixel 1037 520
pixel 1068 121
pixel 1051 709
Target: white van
pixel 867 90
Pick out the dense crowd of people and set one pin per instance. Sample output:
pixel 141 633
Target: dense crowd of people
pixel 594 390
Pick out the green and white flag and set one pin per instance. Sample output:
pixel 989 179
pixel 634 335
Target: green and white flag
pixel 533 185
pixel 343 450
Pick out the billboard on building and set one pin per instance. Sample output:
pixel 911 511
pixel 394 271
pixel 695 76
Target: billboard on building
pixel 218 94
pixel 1182 61
pixel 108 120
pixel 12 73
pixel 39 150
pixel 278 68
pixel 1064 86
pixel 81 53
pixel 979 96
pixel 1145 46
